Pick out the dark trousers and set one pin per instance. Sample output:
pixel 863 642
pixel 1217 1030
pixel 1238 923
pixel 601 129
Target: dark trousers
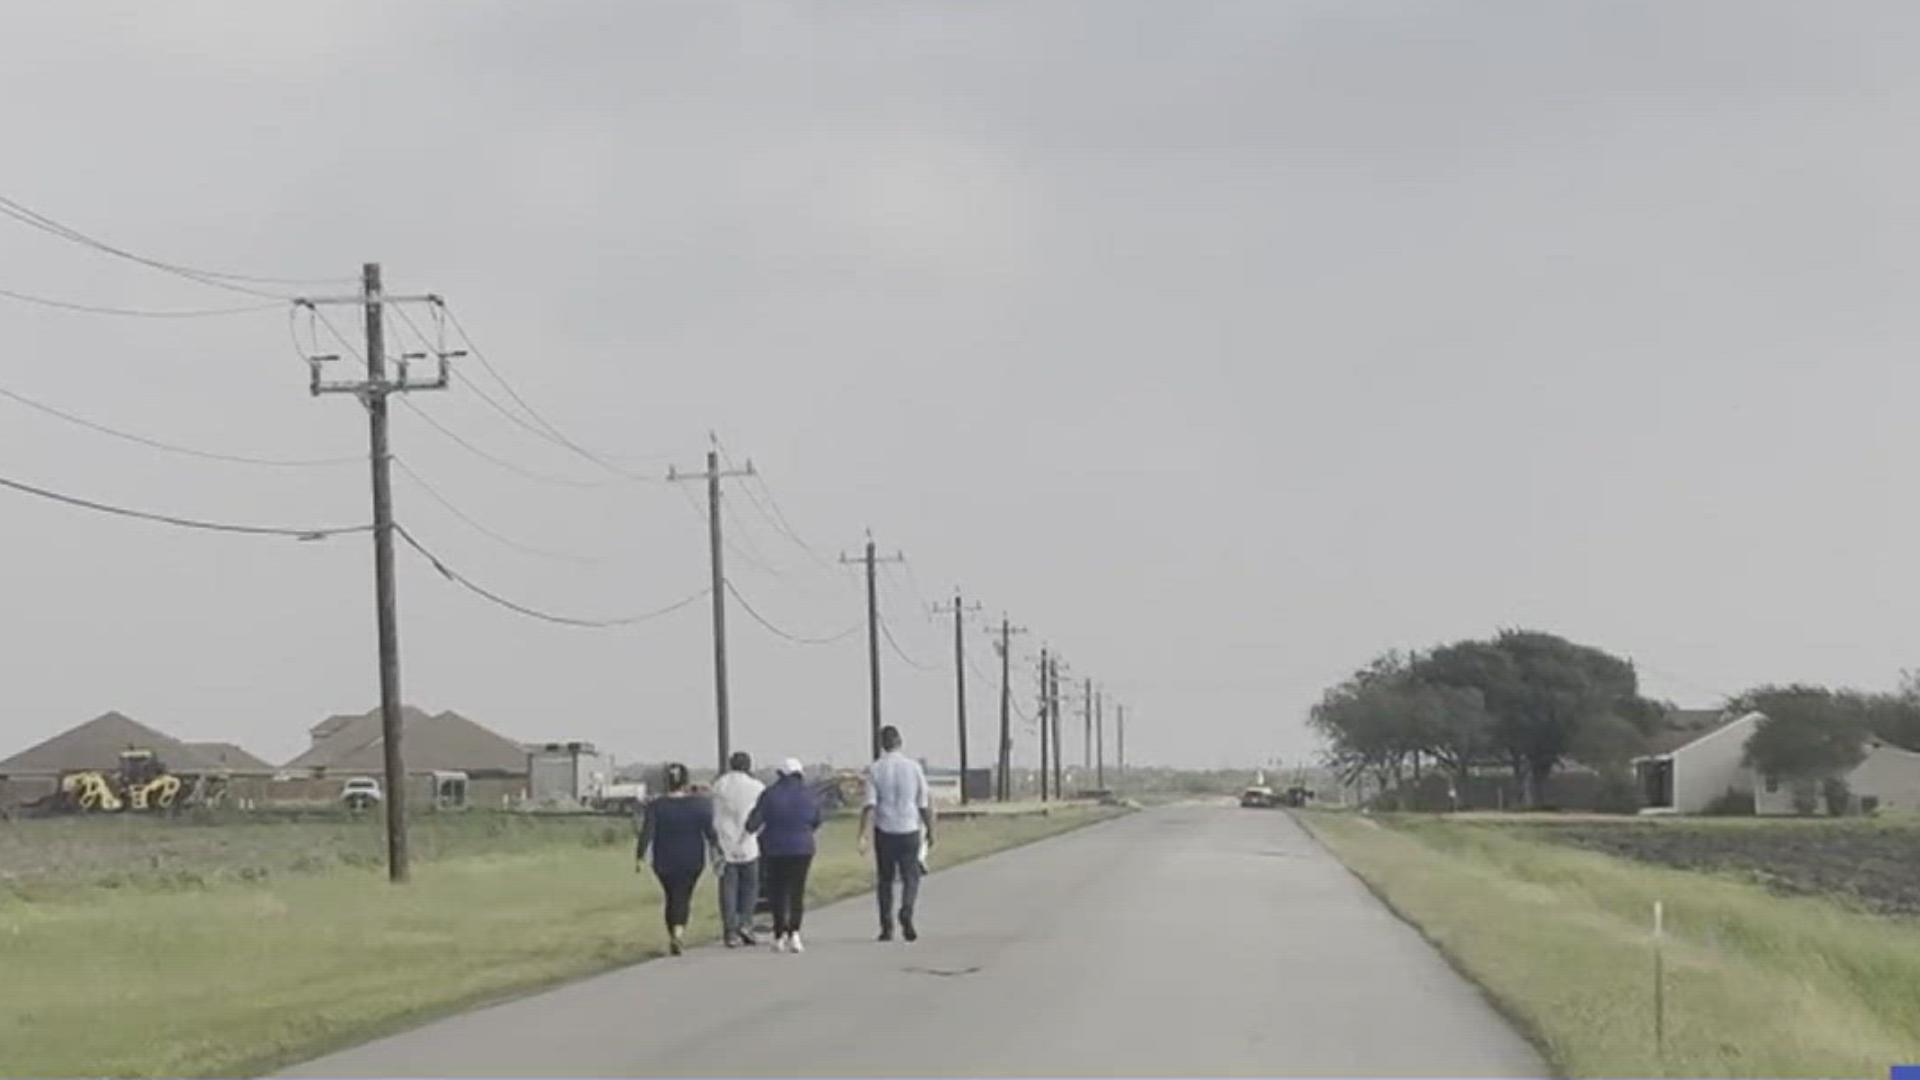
pixel 739 892
pixel 678 885
pixel 787 890
pixel 897 854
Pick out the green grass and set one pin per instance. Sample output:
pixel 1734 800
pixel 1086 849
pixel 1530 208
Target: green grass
pixel 1757 984
pixel 147 976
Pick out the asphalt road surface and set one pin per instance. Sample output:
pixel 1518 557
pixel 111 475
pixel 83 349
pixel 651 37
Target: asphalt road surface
pixel 1186 941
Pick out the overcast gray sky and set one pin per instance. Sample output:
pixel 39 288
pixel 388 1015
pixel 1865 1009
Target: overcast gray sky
pixel 1221 344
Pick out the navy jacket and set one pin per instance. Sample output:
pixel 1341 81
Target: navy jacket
pixel 785 817
pixel 679 828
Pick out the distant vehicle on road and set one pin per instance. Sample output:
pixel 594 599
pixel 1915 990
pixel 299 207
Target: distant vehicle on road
pixel 1296 796
pixel 1257 798
pixel 618 797
pixel 360 793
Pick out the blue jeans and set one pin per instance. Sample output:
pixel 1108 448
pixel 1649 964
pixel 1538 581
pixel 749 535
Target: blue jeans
pixel 739 895
pixel 896 854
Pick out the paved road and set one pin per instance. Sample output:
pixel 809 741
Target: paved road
pixel 1187 941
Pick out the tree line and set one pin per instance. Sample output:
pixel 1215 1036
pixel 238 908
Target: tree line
pixel 1529 703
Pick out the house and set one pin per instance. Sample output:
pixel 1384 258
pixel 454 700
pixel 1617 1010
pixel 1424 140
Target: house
pixel 1888 778
pixel 1697 756
pixel 97 745
pixel 351 745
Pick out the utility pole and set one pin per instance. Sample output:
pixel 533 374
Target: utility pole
pixel 960 610
pixel 1059 745
pixel 1086 738
pixel 1099 742
pixel 1046 699
pixel 873 630
pixel 713 476
pixel 1003 788
pixel 373 393
pixel 1120 730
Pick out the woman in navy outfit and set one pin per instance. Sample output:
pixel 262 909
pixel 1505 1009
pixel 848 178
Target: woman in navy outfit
pixel 679 828
pixel 786 817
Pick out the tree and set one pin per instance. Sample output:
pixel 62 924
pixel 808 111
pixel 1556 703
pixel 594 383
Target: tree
pixel 1809 733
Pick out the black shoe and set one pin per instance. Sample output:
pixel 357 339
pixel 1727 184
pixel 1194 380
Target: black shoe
pixel 886 934
pixel 906 928
pixel 747 938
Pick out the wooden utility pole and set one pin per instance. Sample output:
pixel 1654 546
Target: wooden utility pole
pixel 873 632
pixel 1086 737
pixel 1045 712
pixel 1003 787
pixel 722 722
pixel 1099 742
pixel 959 610
pixel 373 393
pixel 1059 747
pixel 1120 731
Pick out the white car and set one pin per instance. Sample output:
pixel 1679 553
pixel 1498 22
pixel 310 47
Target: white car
pixel 360 792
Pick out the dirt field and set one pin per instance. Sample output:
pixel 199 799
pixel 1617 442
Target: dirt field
pixel 1872 864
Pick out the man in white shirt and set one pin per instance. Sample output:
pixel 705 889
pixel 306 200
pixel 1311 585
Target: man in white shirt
pixel 734 796
pixel 898 808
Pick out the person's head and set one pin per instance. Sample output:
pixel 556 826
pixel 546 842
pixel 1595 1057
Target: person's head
pixel 740 761
pixel 889 738
pixel 792 769
pixel 677 777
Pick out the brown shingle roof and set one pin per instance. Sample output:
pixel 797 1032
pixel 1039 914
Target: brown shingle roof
pixel 447 741
pixel 97 744
pixel 231 757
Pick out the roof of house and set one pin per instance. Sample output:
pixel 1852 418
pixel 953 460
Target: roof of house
pixel 447 741
pixel 230 756
pixel 97 744
pixel 1683 727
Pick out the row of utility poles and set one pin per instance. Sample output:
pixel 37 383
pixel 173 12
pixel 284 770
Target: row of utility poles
pixel 380 384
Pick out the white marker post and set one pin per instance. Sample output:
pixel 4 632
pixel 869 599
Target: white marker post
pixel 1659 982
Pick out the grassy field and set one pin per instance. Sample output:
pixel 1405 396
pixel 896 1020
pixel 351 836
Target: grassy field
pixel 1758 984
pixel 145 948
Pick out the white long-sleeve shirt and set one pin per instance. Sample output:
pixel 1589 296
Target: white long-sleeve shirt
pixel 734 796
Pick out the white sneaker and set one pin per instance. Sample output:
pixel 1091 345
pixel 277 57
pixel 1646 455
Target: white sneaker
pixel 779 943
pixel 793 944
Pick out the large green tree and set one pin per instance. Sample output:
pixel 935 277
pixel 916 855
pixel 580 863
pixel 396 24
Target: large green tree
pixel 1809 733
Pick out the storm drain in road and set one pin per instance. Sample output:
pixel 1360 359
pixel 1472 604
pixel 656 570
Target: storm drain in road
pixel 945 973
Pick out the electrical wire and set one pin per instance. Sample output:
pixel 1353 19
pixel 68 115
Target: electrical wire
pixel 535 613
pixel 212 278
pixel 477 526
pixel 143 313
pixel 319 318
pixel 770 510
pixel 183 522
pixel 172 448
pixel 887 632
pixel 795 638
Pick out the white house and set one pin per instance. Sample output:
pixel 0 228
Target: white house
pixel 1888 778
pixel 1700 757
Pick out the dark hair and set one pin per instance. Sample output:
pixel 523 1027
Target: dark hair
pixel 889 738
pixel 740 761
pixel 676 776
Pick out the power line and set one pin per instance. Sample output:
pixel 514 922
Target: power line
pixel 143 313
pixel 535 613
pixel 212 278
pixel 795 638
pixel 183 522
pixel 172 448
pixel 887 631
pixel 477 526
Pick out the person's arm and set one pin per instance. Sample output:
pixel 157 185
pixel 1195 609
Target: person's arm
pixel 757 817
pixel 646 836
pixel 866 812
pixel 714 849
pixel 924 798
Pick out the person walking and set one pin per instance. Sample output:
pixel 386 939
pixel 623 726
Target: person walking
pixel 734 797
pixel 898 809
pixel 678 827
pixel 786 817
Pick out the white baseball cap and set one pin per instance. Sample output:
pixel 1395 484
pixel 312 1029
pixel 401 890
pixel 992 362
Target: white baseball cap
pixel 792 767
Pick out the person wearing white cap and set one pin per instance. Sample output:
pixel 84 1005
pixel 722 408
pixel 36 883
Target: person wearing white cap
pixel 786 818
